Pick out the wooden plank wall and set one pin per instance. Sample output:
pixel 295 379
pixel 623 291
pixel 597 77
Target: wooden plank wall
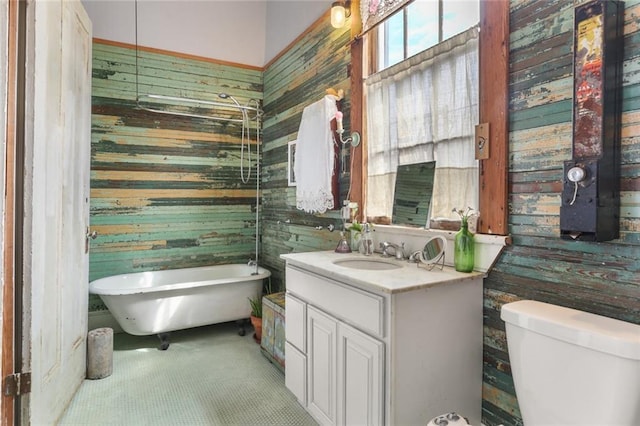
pixel 319 59
pixel 166 191
pixel 602 278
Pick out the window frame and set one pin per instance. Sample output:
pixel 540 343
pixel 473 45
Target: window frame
pixel 494 91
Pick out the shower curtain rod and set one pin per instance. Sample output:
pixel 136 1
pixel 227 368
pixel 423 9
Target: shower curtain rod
pixel 243 108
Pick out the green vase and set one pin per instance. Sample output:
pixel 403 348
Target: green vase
pixel 463 252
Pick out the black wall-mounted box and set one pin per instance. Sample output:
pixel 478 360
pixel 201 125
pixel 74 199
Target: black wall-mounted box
pixel 590 209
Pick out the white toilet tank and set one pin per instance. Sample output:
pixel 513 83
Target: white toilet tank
pixel 571 367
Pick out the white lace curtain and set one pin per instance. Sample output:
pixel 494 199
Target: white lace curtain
pixel 425 109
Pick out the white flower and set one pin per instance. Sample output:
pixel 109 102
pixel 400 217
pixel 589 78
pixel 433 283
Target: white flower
pixel 465 215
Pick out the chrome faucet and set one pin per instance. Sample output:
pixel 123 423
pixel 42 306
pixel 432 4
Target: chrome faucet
pixel 398 251
pixel 252 262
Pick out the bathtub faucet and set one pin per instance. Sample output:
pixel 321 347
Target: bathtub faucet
pixel 252 262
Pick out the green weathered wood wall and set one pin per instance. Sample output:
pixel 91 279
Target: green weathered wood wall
pixel 166 191
pixel 318 60
pixel 602 278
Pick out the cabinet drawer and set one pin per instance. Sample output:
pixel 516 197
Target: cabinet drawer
pixel 295 376
pixel 295 322
pixel 357 307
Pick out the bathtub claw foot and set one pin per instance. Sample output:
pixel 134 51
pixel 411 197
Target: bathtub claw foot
pixel 164 341
pixel 241 329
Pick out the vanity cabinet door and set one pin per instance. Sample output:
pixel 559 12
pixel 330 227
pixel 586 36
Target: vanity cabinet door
pixel 296 322
pixel 295 378
pixel 322 335
pixel 296 347
pixel 360 378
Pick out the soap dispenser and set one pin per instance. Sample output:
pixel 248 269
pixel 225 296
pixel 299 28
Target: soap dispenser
pixel 367 240
pixel 343 245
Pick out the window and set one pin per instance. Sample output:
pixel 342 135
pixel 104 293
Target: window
pixel 423 24
pixel 421 105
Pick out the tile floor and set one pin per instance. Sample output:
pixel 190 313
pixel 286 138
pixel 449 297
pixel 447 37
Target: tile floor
pixel 208 376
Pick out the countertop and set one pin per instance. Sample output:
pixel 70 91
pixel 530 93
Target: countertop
pixel 408 277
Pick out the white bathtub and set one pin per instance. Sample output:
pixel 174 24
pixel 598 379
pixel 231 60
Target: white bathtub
pixel 158 302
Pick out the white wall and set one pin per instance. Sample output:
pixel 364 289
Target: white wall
pixel 287 19
pixel 249 32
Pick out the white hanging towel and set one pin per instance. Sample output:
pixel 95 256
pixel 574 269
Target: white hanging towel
pixel 314 157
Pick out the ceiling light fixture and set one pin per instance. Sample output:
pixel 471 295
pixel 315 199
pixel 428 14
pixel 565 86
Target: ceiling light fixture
pixel 340 11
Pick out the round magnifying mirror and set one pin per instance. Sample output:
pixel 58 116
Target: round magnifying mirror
pixel 433 251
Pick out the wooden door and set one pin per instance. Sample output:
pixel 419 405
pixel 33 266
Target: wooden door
pixel 56 200
pixel 8 128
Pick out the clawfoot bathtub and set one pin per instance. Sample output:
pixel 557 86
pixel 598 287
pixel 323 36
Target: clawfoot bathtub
pixel 159 302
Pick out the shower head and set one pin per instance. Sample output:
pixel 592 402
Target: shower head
pixel 227 96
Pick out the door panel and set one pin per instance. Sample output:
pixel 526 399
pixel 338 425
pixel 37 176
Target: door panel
pixel 360 378
pixel 9 52
pixel 321 358
pixel 57 161
pixel 295 378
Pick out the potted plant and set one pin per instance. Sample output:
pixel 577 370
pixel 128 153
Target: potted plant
pixel 256 317
pixel 256 311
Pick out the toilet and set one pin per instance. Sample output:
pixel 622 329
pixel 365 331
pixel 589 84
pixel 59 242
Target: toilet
pixel 449 419
pixel 571 367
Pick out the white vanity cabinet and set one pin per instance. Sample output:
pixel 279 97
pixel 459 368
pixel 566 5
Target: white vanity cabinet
pixel 364 349
pixel 338 370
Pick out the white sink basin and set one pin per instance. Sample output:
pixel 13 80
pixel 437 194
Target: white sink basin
pixel 367 264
